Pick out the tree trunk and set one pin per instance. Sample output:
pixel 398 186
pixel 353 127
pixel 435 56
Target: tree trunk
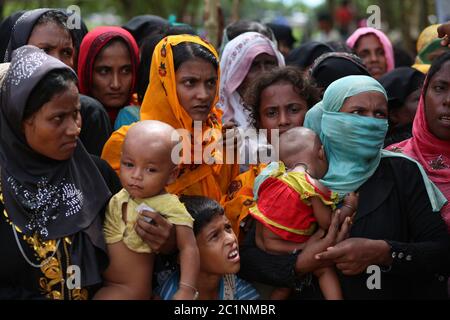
pixel 2 7
pixel 235 11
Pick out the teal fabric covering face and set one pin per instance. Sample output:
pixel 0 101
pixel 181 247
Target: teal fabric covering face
pixel 353 143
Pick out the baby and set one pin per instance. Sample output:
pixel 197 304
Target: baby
pixel 146 168
pixel 291 202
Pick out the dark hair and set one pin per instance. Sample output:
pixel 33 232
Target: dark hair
pixel 143 74
pixel 202 209
pixel 180 29
pixel 188 50
pixel 435 67
pixel 53 83
pixel 241 26
pixel 302 85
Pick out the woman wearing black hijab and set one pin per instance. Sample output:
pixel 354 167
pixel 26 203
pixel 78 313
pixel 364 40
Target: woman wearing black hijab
pixel 403 86
pixel 335 65
pixel 53 192
pixel 45 28
pixel 304 56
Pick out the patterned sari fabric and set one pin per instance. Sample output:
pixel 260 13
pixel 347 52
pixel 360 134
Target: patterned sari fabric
pixel 432 153
pixel 90 48
pixel 161 103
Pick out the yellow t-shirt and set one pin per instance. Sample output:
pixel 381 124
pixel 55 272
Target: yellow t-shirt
pixel 116 229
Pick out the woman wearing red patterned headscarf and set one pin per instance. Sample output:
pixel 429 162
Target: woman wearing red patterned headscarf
pixel 107 67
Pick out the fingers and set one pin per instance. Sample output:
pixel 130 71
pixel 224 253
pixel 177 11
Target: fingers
pixel 344 232
pixel 228 125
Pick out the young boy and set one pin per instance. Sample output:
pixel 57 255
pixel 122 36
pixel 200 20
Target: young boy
pixel 146 168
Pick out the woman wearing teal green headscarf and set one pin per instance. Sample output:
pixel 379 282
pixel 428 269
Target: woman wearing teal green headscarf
pixel 395 227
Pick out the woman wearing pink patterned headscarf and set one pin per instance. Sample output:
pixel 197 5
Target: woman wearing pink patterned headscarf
pixel 243 59
pixel 374 48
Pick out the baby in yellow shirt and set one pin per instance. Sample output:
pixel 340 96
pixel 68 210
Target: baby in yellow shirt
pixel 146 168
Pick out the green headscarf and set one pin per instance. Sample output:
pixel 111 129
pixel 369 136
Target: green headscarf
pixel 353 143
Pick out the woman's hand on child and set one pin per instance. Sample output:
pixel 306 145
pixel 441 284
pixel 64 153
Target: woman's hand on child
pixel 231 137
pixel 307 260
pixel 353 255
pixel 159 235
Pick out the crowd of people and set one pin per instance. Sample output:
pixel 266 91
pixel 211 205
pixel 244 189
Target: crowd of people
pixel 104 195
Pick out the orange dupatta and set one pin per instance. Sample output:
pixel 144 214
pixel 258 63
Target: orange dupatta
pixel 161 103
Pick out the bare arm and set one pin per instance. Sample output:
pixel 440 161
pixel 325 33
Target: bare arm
pixel 189 261
pixel 272 243
pixel 322 212
pixel 128 276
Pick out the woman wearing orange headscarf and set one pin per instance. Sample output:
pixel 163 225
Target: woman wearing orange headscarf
pixel 183 92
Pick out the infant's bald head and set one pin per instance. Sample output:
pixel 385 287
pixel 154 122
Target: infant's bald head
pixel 298 144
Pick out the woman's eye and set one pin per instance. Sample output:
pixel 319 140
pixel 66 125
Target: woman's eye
pixel 151 170
pixel 68 53
pixel 381 115
pixel 126 70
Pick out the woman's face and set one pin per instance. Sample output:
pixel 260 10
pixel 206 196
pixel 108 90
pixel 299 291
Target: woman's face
pixel 367 104
pixel 371 51
pixel 218 247
pixel 196 83
pixel 53 130
pixel 437 103
pixel 281 107
pixel 55 41
pixel 112 76
pixel 263 62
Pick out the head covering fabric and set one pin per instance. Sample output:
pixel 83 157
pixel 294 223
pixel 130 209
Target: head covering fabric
pixel 305 55
pixel 161 103
pixel 432 153
pixel 42 196
pixel 400 83
pixel 335 65
pixel 92 45
pixel 144 26
pixel 6 27
pixel 235 64
pixel 384 40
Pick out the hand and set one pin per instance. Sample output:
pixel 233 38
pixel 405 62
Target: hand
pixel 184 293
pixel 306 260
pixel 231 136
pixel 350 202
pixel 444 32
pixel 159 234
pixel 353 256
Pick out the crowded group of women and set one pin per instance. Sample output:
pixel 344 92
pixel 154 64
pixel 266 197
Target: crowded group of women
pixel 69 97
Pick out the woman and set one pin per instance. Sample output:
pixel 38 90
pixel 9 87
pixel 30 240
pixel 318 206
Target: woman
pixel 335 65
pixel 47 29
pixel 430 142
pixel 278 100
pixel 304 56
pixel 183 88
pixel 243 60
pixel 403 86
pixel 374 48
pixel 395 226
pixel 219 256
pixel 107 67
pixel 53 191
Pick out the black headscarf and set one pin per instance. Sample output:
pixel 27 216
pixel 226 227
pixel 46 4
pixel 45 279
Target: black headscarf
pixel 5 32
pixel 305 55
pixel 400 83
pixel 335 65
pixel 51 198
pixel 146 25
pixel 23 27
pixel 282 33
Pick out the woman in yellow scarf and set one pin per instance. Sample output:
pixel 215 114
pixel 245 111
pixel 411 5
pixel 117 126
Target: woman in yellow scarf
pixel 183 88
pixel 428 48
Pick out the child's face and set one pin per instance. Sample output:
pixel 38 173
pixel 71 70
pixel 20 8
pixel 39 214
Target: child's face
pixel 281 108
pixel 145 171
pixel 218 247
